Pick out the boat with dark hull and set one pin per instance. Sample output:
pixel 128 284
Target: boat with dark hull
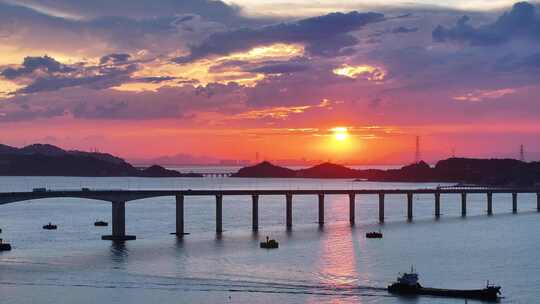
pixel 407 284
pixel 269 244
pixel 4 246
pixel 50 226
pixel 374 235
pixel 101 224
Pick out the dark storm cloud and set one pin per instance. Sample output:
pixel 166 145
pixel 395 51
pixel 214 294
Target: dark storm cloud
pixel 114 70
pixel 85 103
pixel 114 58
pixel 106 79
pixel 520 22
pixel 404 30
pixel 31 64
pixel 326 36
pixel 529 64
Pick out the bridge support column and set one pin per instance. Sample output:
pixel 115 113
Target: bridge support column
pixel 381 208
pixel 538 202
pixel 514 202
pixel 437 205
pixel 490 203
pixel 179 216
pixel 288 211
pixel 118 224
pixel 409 206
pixel 352 201
pixel 321 209
pixel 255 212
pixel 463 203
pixel 219 214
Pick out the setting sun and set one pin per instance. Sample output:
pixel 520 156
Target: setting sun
pixel 340 133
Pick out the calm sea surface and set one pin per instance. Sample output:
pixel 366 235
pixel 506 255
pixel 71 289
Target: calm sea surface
pixel 333 265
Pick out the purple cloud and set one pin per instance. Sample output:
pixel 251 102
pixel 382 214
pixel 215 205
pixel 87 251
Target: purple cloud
pixel 520 22
pixel 324 36
pixel 31 64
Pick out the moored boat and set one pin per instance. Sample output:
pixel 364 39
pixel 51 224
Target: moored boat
pixel 50 226
pixel 4 246
pixel 374 235
pixel 269 244
pixel 407 284
pixel 101 224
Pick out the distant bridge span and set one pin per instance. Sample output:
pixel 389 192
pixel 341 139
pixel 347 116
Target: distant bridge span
pixel 118 199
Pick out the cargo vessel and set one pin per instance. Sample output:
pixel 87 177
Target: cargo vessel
pixel 407 284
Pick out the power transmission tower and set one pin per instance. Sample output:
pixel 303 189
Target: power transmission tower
pixel 521 153
pixel 417 153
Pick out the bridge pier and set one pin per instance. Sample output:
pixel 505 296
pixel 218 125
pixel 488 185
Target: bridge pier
pixel 219 214
pixel 514 202
pixel 321 209
pixel 255 212
pixel 463 203
pixel 490 203
pixel 538 202
pixel 437 205
pixel 118 224
pixel 352 201
pixel 409 206
pixel 179 216
pixel 381 207
pixel 288 210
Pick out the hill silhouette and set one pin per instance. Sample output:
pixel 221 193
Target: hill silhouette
pixel 265 169
pixel 327 170
pixel 49 160
pixel 500 172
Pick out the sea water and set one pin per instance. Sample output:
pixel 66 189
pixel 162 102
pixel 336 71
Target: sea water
pixel 333 264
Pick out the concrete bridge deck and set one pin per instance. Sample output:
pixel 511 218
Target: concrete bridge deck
pixel 118 199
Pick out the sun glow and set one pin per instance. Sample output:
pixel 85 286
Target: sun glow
pixel 340 133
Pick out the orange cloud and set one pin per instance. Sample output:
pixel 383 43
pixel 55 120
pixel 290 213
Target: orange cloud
pixel 200 70
pixel 368 72
pixel 283 112
pixel 481 95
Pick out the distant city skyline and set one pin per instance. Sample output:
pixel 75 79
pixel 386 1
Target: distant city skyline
pixel 348 81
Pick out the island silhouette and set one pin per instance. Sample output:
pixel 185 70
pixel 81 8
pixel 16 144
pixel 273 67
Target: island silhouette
pixel 495 172
pixel 49 160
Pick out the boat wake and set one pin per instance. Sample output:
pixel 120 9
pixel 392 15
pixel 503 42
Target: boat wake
pixel 216 285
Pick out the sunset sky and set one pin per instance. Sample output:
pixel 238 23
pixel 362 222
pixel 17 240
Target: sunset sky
pixel 346 81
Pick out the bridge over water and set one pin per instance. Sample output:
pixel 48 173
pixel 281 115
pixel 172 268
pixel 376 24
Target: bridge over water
pixel 119 198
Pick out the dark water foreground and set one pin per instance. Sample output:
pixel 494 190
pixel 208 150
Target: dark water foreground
pixel 331 265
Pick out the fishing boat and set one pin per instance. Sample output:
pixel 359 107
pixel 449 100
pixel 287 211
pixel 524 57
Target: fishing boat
pixel 374 235
pixel 50 226
pixel 4 246
pixel 407 284
pixel 269 244
pixel 101 224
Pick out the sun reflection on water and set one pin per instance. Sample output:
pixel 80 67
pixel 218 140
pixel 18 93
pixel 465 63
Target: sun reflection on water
pixel 337 262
